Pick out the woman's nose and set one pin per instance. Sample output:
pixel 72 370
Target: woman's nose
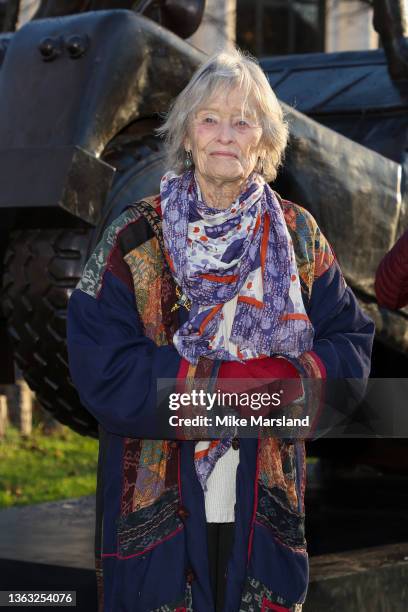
pixel 225 134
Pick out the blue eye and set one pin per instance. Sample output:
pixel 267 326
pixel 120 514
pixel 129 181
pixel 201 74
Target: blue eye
pixel 242 123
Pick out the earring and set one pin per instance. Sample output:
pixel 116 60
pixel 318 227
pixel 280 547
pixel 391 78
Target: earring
pixel 188 160
pixel 260 165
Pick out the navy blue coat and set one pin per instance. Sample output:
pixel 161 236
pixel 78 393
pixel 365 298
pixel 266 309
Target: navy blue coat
pixel 154 557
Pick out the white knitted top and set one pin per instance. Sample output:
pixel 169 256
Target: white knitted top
pixel 220 494
pixel 221 483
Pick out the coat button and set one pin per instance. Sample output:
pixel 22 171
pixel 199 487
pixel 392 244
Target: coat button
pixel 183 512
pixel 235 443
pixel 190 575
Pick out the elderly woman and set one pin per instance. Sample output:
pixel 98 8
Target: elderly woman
pixel 217 277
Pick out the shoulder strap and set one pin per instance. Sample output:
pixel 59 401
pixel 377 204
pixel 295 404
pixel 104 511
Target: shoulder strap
pixel 153 218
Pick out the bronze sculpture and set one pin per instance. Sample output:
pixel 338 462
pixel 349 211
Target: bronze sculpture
pixel 77 114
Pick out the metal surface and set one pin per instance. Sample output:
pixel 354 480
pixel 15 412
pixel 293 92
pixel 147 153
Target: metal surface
pixel 42 266
pixel 341 183
pixel 391 22
pixel 182 17
pixel 372 580
pixel 356 196
pixel 350 92
pixel 179 16
pixel 60 8
pixel 55 124
pixel 4 43
pixel 9 14
pixel 44 178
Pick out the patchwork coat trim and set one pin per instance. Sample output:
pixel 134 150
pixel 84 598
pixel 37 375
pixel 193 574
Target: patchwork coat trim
pixel 281 485
pixel 275 513
pixel 130 465
pixel 146 264
pixel 147 527
pixel 92 275
pixel 185 605
pixel 257 597
pixel 314 255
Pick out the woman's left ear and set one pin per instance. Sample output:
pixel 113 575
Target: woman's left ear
pixel 187 144
pixel 260 164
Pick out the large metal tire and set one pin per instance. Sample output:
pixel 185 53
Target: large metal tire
pixel 42 268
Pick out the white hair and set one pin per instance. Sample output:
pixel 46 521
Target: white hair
pixel 227 70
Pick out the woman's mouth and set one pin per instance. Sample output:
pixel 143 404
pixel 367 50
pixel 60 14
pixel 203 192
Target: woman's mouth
pixel 224 154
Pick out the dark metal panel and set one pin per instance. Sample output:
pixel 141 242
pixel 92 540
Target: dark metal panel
pixel 356 81
pixel 6 349
pixel 35 177
pixel 7 374
pixel 387 135
pixel 4 43
pixel 369 580
pixel 354 193
pixel 349 92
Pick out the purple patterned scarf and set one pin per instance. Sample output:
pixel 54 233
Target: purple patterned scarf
pixel 216 255
pixel 243 252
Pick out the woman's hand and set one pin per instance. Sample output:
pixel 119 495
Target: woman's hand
pixel 269 375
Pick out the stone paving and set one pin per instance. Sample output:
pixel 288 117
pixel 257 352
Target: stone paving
pixel 54 533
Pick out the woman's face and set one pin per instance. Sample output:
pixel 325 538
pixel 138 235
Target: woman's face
pixel 223 141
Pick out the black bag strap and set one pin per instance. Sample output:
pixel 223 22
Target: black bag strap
pixel 153 218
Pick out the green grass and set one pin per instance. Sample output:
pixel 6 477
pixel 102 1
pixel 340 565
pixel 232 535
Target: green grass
pixel 46 467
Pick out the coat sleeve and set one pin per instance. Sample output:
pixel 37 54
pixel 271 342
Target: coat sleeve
pixel 391 281
pixel 344 334
pixel 342 347
pixel 342 344
pixel 113 365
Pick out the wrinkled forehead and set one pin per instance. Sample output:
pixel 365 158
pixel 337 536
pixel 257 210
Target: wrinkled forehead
pixel 231 96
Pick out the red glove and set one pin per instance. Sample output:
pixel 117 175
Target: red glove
pixel 271 375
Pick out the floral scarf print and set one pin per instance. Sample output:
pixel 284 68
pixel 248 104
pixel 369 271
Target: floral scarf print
pixel 243 253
